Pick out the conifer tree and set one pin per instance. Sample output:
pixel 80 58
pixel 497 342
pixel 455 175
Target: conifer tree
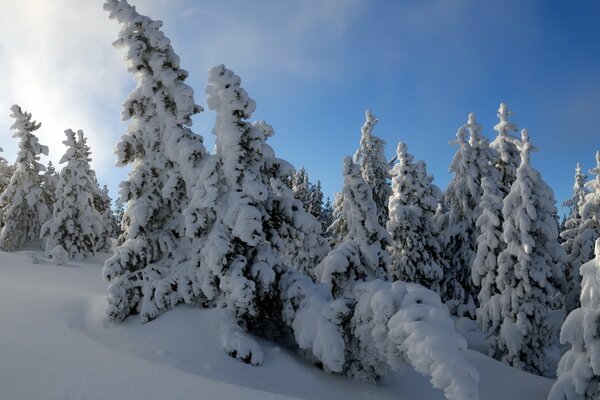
pixel 102 202
pixel 489 247
pixel 529 270
pixel 301 186
pixel 339 226
pixel 506 146
pixel 579 368
pixel 164 155
pixel 374 166
pixel 118 211
pixel 473 160
pixel 362 254
pixel 315 202
pixel 23 208
pixel 49 183
pixel 326 215
pixel 572 242
pixel 75 228
pixel 6 172
pixel 415 249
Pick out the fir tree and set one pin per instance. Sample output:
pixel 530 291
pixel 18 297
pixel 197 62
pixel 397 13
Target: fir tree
pixel 6 172
pixel 164 155
pixel 362 254
pixel 102 202
pixel 76 226
pixel 49 183
pixel 572 242
pixel 247 227
pixel 579 368
pixel 374 166
pixel 117 214
pixel 473 160
pixel 23 208
pixel 489 247
pixel 506 146
pixel 326 215
pixel 415 249
pixel 338 228
pixel 529 270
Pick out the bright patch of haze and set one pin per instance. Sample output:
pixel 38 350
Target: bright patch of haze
pixel 314 67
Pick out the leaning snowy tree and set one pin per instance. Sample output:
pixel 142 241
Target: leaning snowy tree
pixel 23 209
pixel 529 270
pixel 506 146
pixel 164 155
pixel 374 166
pixel 246 225
pixel 579 368
pixel 76 226
pixel 415 250
pixel 578 248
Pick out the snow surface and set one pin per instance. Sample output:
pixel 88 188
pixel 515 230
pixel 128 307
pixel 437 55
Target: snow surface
pixel 56 344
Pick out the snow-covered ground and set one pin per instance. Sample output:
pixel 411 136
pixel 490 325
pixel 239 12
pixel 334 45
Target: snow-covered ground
pixel 55 344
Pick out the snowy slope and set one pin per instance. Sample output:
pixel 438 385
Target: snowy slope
pixel 55 344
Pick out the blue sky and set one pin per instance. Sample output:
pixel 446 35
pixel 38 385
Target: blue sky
pixel 315 66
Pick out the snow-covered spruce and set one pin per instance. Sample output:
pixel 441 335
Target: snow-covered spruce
pixel 529 270
pixel 49 183
pixel 164 155
pixel 506 146
pixel 6 172
pixel 374 166
pixel 381 325
pixel 102 202
pixel 338 228
pixel 473 160
pixel 489 246
pixel 579 368
pixel 76 225
pixel 23 208
pixel 578 248
pixel 362 255
pixel 247 227
pixel 415 249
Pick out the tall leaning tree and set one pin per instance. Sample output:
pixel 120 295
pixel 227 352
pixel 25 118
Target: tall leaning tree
pixel 163 154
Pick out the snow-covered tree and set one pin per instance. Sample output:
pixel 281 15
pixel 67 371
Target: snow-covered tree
pixel 506 146
pixel 117 215
pixel 246 225
pixel 362 254
pixel 327 215
pixel 164 155
pixel 315 202
pixel 415 248
pixel 49 183
pixel 489 247
pixel 374 166
pixel 102 203
pixel 473 160
pixel 6 172
pixel 76 226
pixel 579 368
pixel 529 270
pixel 581 251
pixel 301 186
pixel 338 228
pixel 23 208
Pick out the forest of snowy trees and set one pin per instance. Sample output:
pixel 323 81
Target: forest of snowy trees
pixel 370 280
